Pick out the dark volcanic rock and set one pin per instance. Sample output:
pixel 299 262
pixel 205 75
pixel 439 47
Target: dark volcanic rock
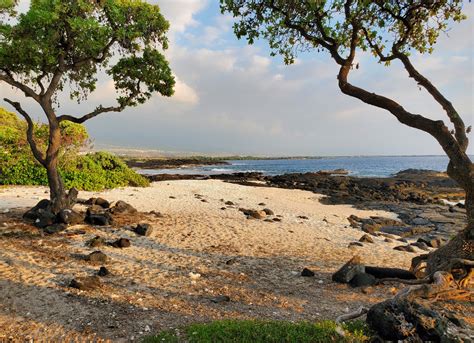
pixel 45 218
pixel 103 271
pixel 102 203
pixel 97 257
pixel 307 272
pixel 121 243
pixel 143 229
pixel 349 270
pixel 70 217
pixel 103 219
pixel 268 212
pixel 123 207
pixel 407 248
pixel 32 214
pixel 55 228
pixel 220 299
pixel 362 279
pixel 86 283
pixel 355 244
pixel 96 242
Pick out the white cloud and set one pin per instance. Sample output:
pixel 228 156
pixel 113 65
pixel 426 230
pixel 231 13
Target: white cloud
pixel 184 93
pixel 180 13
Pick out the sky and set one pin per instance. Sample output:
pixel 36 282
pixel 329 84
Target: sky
pixel 232 98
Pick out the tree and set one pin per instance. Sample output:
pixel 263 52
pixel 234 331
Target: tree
pixel 390 30
pixel 63 44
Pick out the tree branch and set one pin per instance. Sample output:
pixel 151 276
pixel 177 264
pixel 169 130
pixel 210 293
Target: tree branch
pixel 30 131
pixel 459 127
pixel 8 78
pixel 96 112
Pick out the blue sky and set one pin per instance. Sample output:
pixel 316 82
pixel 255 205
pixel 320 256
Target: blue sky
pixel 232 98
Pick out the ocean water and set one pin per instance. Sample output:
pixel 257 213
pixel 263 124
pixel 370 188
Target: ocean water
pixel 361 166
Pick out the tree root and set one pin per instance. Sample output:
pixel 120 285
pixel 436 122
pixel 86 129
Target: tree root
pixel 352 315
pixel 404 281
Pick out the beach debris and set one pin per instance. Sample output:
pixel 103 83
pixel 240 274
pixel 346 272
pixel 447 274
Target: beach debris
pixel 366 239
pixel 103 271
pixel 143 229
pixel 86 283
pixel 307 272
pixel 97 257
pixel 268 212
pixel 349 270
pixel 121 243
pixel 220 299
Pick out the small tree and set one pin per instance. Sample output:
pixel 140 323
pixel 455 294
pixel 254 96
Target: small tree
pixel 59 43
pixel 389 30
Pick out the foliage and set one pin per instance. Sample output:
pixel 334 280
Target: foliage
pixel 291 26
pixel 86 172
pixel 250 331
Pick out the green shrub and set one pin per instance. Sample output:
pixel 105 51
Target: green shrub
pixel 257 331
pixel 92 172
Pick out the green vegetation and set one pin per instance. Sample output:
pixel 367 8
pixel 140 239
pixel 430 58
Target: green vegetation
pixel 251 331
pixel 95 171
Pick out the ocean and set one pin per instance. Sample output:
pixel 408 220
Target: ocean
pixel 361 166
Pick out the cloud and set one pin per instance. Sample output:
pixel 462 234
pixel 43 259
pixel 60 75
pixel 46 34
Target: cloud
pixel 184 93
pixel 180 13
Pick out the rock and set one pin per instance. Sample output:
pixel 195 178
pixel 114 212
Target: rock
pixel 431 242
pixel 420 221
pixel 220 299
pixel 421 245
pixel 268 220
pixel 229 203
pixel 123 207
pixel 366 239
pixel 143 229
pixel 268 212
pixel 44 218
pixel 255 214
pixel 32 214
pixel 362 280
pixel 307 272
pixel 396 230
pixel 97 256
pixel 355 244
pixel 86 283
pixel 99 219
pixel 401 319
pixel 103 271
pixel 349 270
pixel 407 248
pixel 55 228
pixel 276 219
pixel 382 272
pixel 96 242
pixel 370 228
pixel 102 203
pixel 121 243
pixel 388 240
pixel 261 204
pixel 303 217
pixel 70 217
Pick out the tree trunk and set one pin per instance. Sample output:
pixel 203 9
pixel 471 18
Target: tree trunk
pixel 462 245
pixel 58 194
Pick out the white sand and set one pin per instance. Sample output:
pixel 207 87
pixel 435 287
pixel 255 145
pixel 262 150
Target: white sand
pixel 255 262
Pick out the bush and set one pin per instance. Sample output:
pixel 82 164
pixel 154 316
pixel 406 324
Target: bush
pixel 92 172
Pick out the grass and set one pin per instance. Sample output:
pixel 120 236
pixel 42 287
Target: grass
pixel 257 331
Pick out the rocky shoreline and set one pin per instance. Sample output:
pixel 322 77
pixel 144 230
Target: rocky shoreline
pixel 155 163
pixel 428 203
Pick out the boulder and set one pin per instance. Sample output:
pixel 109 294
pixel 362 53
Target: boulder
pixel 32 214
pixel 86 283
pixel 44 218
pixel 143 229
pixel 407 248
pixel 362 280
pixel 123 207
pixel 102 203
pixel 70 217
pixel 97 257
pixel 349 270
pixel 103 219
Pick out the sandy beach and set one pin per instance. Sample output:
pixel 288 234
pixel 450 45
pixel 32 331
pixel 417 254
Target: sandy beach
pixel 200 249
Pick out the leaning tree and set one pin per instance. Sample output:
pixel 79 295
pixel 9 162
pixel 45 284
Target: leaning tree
pixel 61 46
pixel 391 31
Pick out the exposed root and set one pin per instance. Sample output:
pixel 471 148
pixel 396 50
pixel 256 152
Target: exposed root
pixel 352 315
pixel 406 282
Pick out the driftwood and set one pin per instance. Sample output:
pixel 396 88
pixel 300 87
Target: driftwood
pixel 352 315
